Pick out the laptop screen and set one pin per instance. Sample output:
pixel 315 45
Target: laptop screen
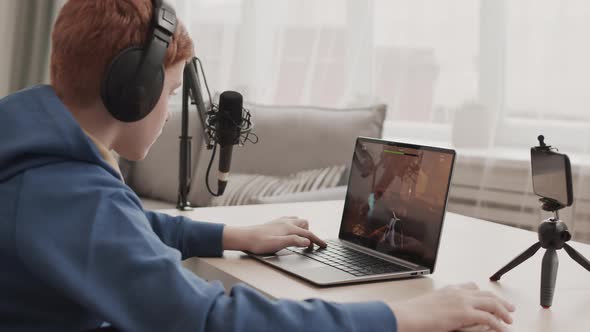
pixel 396 199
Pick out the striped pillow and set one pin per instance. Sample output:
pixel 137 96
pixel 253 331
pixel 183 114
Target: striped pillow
pixel 247 188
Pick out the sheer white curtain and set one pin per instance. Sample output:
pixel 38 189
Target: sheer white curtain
pixel 485 77
pixel 8 28
pixel 25 27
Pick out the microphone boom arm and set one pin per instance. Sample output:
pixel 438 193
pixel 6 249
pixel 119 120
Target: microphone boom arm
pixel 192 81
pixel 208 115
pixel 184 162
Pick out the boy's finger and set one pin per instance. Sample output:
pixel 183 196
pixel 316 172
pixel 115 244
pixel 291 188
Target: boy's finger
pixel 311 236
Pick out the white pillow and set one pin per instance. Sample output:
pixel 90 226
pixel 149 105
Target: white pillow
pixel 251 188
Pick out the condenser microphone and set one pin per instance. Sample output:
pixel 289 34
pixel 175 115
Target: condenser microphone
pixel 227 131
pixel 224 124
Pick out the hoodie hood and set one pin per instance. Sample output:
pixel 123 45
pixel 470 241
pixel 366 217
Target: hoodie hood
pixel 36 129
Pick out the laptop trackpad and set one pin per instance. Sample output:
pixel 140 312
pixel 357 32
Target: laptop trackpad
pixel 309 269
pixel 324 275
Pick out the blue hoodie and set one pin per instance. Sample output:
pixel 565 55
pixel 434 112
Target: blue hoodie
pixel 77 249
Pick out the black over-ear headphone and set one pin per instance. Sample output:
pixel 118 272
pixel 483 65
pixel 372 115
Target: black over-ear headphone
pixel 133 81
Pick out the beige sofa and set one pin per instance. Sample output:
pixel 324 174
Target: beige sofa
pixel 295 143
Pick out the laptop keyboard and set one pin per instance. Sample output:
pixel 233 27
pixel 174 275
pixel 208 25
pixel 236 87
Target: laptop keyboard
pixel 350 260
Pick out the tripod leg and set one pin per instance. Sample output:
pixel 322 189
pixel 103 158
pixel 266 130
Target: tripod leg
pixel 515 262
pixel 548 276
pixel 575 255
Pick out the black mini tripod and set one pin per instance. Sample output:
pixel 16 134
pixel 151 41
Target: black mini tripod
pixel 553 233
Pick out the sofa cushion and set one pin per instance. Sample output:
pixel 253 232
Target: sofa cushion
pixel 293 138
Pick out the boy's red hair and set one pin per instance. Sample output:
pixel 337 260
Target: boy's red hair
pixel 89 33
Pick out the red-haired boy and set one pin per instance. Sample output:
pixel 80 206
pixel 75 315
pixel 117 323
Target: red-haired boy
pixel 78 249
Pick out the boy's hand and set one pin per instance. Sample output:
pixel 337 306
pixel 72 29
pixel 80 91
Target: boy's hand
pixel 453 308
pixel 270 237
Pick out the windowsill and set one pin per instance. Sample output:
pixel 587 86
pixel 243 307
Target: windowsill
pixel 439 135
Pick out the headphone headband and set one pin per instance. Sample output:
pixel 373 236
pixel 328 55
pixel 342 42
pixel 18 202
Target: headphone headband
pixel 158 40
pixel 164 17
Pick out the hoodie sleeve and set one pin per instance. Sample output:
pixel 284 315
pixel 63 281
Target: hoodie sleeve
pixel 191 238
pixel 98 248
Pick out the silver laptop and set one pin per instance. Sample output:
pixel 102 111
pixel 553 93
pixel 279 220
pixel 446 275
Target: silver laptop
pixel 392 219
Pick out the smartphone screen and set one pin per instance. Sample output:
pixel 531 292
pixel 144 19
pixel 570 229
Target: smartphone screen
pixel 552 176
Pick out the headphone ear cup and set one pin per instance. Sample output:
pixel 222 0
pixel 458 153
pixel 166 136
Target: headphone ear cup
pixel 126 97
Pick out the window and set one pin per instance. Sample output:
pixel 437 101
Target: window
pixel 543 69
pixel 440 66
pixel 548 60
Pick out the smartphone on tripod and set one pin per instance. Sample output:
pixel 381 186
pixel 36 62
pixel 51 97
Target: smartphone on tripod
pixel 552 177
pixel 552 180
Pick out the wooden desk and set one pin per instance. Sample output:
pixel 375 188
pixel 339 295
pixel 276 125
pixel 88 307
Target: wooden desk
pixel 471 250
